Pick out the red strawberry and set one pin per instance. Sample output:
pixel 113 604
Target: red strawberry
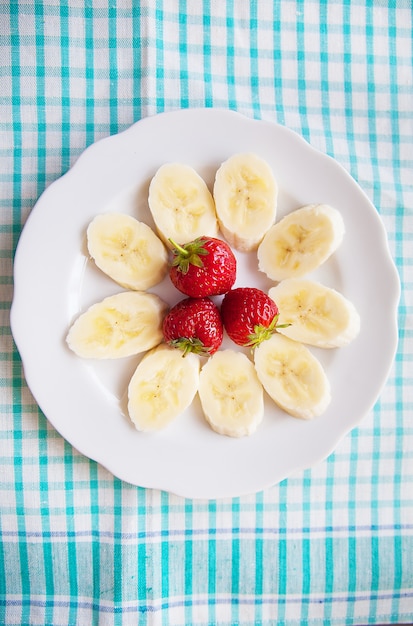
pixel 249 316
pixel 194 325
pixel 203 267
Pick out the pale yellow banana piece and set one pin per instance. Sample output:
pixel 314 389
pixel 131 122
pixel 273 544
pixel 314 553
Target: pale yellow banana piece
pixel 121 325
pixel 127 250
pixel 181 204
pixel 245 194
pixel 300 242
pixel 318 315
pixel 162 387
pixel 231 394
pixel 292 377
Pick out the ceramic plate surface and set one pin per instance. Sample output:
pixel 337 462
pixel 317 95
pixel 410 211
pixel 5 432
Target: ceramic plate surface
pixel 55 281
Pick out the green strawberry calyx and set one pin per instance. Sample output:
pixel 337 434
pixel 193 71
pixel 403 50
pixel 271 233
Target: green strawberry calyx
pixel 188 254
pixel 190 344
pixel 262 333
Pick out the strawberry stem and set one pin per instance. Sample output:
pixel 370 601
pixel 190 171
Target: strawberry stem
pixel 261 333
pixel 182 251
pixel 188 254
pixel 190 344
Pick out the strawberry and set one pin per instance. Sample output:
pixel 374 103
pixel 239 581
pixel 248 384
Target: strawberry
pixel 194 325
pixel 249 316
pixel 203 267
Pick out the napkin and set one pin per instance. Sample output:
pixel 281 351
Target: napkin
pixel 330 544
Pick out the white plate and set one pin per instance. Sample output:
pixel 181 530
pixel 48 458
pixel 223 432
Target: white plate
pixel 55 280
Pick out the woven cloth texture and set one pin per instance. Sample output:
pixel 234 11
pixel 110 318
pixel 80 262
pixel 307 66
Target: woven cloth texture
pixel 329 545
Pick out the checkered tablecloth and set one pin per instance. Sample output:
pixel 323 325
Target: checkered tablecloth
pixel 329 545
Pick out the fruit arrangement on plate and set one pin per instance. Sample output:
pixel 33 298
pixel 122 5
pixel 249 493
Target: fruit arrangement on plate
pixel 182 345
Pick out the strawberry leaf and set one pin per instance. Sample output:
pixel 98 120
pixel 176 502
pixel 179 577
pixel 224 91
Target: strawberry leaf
pixel 188 254
pixel 190 344
pixel 261 333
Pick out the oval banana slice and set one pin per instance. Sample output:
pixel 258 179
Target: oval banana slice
pixel 181 204
pixel 300 242
pixel 162 387
pixel 318 315
pixel 127 250
pixel 231 394
pixel 121 325
pixel 245 194
pixel 292 377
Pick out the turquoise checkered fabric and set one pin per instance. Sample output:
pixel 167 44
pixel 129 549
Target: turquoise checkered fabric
pixel 329 545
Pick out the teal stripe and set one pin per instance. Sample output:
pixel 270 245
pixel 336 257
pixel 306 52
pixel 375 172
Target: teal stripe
pixel 188 561
pixel 329 543
pixel 137 45
pixel 230 54
pixel 17 381
pixel 282 565
pixel 145 589
pixel 40 98
pixel 301 73
pixel 371 103
pixel 375 495
pixel 212 560
pixel 183 55
pixel 3 581
pixel 235 561
pixel 94 515
pixel 207 53
pixel 399 365
pixel 375 566
pixel 277 60
pixel 47 546
pixel 165 545
pixel 160 93
pixel 17 122
pixel 254 72
pixel 352 519
pixel 90 73
pixel 4 591
pixel 72 560
pixel 113 69
pixel 142 555
pixel 65 85
pixel 324 77
pixel 259 552
pixel 118 566
pixel 306 570
pixel 23 566
pixel 348 90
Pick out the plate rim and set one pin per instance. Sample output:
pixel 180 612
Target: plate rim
pixel 17 295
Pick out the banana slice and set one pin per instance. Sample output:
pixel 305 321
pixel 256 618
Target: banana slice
pixel 127 250
pixel 245 194
pixel 319 316
pixel 162 387
pixel 292 377
pixel 231 394
pixel 300 242
pixel 121 325
pixel 181 204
